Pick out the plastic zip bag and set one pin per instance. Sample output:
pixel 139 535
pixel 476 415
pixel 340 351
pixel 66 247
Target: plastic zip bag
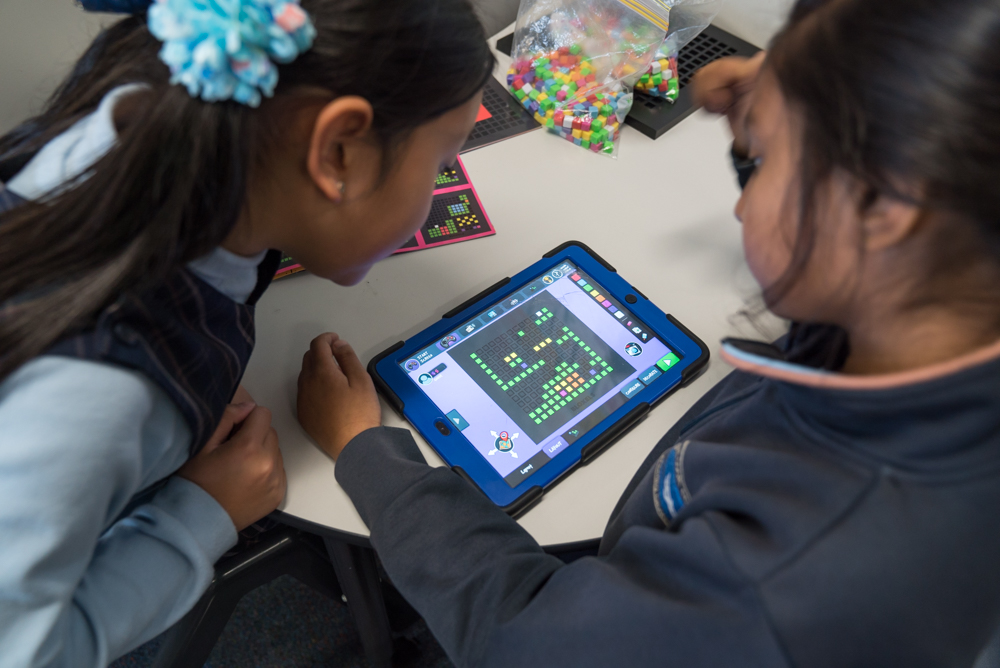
pixel 575 62
pixel 688 18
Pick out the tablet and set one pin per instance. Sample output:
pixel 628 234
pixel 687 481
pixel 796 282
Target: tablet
pixel 538 374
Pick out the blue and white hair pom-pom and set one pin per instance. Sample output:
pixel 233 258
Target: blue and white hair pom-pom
pixel 227 49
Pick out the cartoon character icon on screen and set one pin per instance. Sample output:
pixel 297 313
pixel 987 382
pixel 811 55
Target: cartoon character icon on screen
pixel 412 365
pixel 633 349
pixel 425 378
pixel 448 341
pixel 547 280
pixel 504 443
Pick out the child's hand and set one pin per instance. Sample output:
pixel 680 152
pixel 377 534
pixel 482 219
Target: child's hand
pixel 724 87
pixel 241 469
pixel 337 399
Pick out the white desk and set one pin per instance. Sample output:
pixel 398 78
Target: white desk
pixel 662 214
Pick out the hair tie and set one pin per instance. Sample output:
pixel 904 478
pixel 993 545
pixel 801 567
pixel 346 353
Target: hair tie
pixel 227 49
pixel 116 6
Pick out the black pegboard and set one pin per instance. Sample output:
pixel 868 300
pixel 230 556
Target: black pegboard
pixel 654 116
pixel 509 118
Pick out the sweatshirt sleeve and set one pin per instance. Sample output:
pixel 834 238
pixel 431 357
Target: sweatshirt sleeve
pixel 73 436
pixel 493 597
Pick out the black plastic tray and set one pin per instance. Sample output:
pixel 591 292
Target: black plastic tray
pixel 653 116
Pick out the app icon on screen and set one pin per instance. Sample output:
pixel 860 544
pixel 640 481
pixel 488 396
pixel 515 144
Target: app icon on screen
pixel 448 341
pixel 633 349
pixel 425 378
pixel 547 280
pixel 412 365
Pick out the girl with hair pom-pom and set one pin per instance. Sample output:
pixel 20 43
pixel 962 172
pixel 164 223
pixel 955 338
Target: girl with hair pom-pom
pixel 146 202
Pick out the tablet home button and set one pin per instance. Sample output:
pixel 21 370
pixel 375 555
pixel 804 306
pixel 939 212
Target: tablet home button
pixel 442 427
pixel 631 299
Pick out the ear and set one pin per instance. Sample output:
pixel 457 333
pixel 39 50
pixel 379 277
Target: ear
pixel 340 125
pixel 888 222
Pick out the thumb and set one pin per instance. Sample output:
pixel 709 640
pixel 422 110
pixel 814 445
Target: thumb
pixel 232 416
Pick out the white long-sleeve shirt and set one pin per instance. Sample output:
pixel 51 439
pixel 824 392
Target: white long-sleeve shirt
pixel 78 439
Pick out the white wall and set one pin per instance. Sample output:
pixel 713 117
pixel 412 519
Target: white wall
pixel 39 41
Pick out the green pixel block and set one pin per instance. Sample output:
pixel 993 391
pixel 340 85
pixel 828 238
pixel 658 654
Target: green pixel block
pixel 610 369
pixel 587 348
pixel 598 358
pixel 531 415
pixel 512 364
pixel 523 374
pixel 473 355
pixel 500 382
pixel 537 421
pixel 551 411
pixel 576 366
pixel 518 360
pixel 562 403
pixel 592 363
pixel 565 329
pixel 531 369
pixel 575 338
pixel 520 333
pixel 492 375
pixel 588 287
pixel 535 367
pixel 541 362
pixel 538 322
pixel 489 371
pixel 556 407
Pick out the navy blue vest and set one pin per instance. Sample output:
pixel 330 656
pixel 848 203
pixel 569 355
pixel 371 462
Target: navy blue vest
pixel 184 335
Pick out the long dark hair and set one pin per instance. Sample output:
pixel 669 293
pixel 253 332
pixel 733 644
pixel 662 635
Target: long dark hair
pixel 175 183
pixel 904 95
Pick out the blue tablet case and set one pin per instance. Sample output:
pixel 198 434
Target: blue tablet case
pixel 407 399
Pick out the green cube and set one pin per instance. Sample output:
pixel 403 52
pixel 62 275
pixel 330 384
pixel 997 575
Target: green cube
pixel 520 333
pixel 538 421
pixel 575 49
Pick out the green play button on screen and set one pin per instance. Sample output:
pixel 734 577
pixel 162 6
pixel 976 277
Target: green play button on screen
pixel 668 362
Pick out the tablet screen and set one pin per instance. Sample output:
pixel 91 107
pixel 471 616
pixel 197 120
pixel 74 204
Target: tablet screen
pixel 532 374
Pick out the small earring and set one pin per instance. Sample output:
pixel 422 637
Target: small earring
pixel 340 187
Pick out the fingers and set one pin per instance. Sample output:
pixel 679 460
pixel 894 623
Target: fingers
pixel 320 354
pixel 256 426
pixel 242 396
pixel 233 415
pixel 719 85
pixel 350 363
